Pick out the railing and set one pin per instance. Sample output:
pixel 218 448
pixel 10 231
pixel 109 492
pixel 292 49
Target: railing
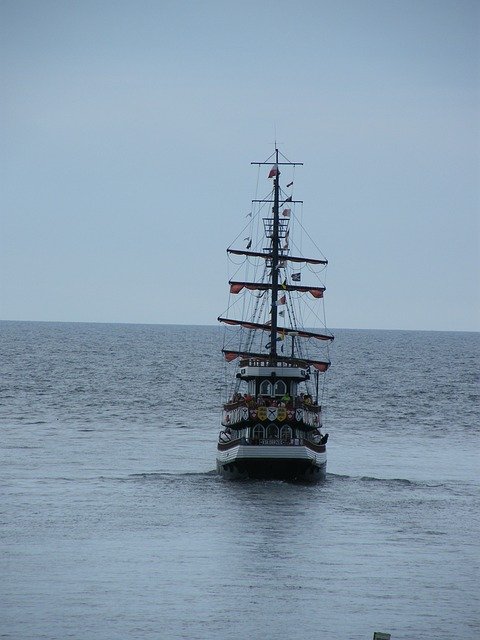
pixel 291 442
pixel 253 404
pixel 270 362
pixel 266 441
pixel 242 414
pixel 278 441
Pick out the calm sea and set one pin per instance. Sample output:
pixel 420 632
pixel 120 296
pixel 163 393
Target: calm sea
pixel 113 524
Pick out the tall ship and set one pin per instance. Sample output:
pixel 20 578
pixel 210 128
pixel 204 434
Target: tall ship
pixel 276 345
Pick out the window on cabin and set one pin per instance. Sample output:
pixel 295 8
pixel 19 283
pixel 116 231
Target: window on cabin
pixel 286 433
pixel 280 388
pixel 265 388
pixel 258 432
pixel 272 431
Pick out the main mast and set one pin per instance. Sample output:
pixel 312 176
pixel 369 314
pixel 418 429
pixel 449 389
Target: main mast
pixel 275 236
pixel 274 273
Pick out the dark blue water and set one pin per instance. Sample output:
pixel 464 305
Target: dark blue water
pixel 114 526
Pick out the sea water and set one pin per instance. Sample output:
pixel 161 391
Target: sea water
pixel 113 524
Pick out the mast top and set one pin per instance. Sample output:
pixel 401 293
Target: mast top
pixel 277 153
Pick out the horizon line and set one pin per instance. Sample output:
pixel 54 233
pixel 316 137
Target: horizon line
pixel 177 324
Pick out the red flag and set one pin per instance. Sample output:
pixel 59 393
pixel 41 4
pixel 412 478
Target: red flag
pixel 283 300
pixel 286 213
pixel 274 171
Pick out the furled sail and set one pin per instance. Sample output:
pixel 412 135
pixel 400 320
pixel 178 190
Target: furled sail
pixel 260 254
pixel 281 330
pixel 236 287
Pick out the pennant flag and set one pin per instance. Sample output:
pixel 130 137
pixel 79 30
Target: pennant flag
pixel 289 199
pixel 284 284
pixel 281 313
pixel 279 338
pixel 249 244
pixel 283 300
pixel 296 277
pixel 286 213
pixel 249 215
pixel 290 184
pixel 274 171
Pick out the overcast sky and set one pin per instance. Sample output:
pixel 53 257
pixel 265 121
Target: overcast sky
pixel 128 128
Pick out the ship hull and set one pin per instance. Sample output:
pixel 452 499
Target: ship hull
pixel 292 463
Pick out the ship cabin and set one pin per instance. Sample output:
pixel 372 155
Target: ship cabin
pixel 269 378
pixel 272 411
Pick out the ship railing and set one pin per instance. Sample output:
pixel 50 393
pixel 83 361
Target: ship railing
pixel 254 404
pixel 270 441
pixel 277 441
pixel 268 361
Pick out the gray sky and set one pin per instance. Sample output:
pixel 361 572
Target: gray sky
pixel 128 128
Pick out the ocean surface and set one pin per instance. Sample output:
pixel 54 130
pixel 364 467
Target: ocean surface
pixel 114 525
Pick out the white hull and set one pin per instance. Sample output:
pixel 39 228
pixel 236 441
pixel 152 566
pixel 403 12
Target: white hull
pixel 287 462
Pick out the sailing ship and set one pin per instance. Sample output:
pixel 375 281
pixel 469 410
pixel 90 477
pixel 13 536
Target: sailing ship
pixel 272 419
